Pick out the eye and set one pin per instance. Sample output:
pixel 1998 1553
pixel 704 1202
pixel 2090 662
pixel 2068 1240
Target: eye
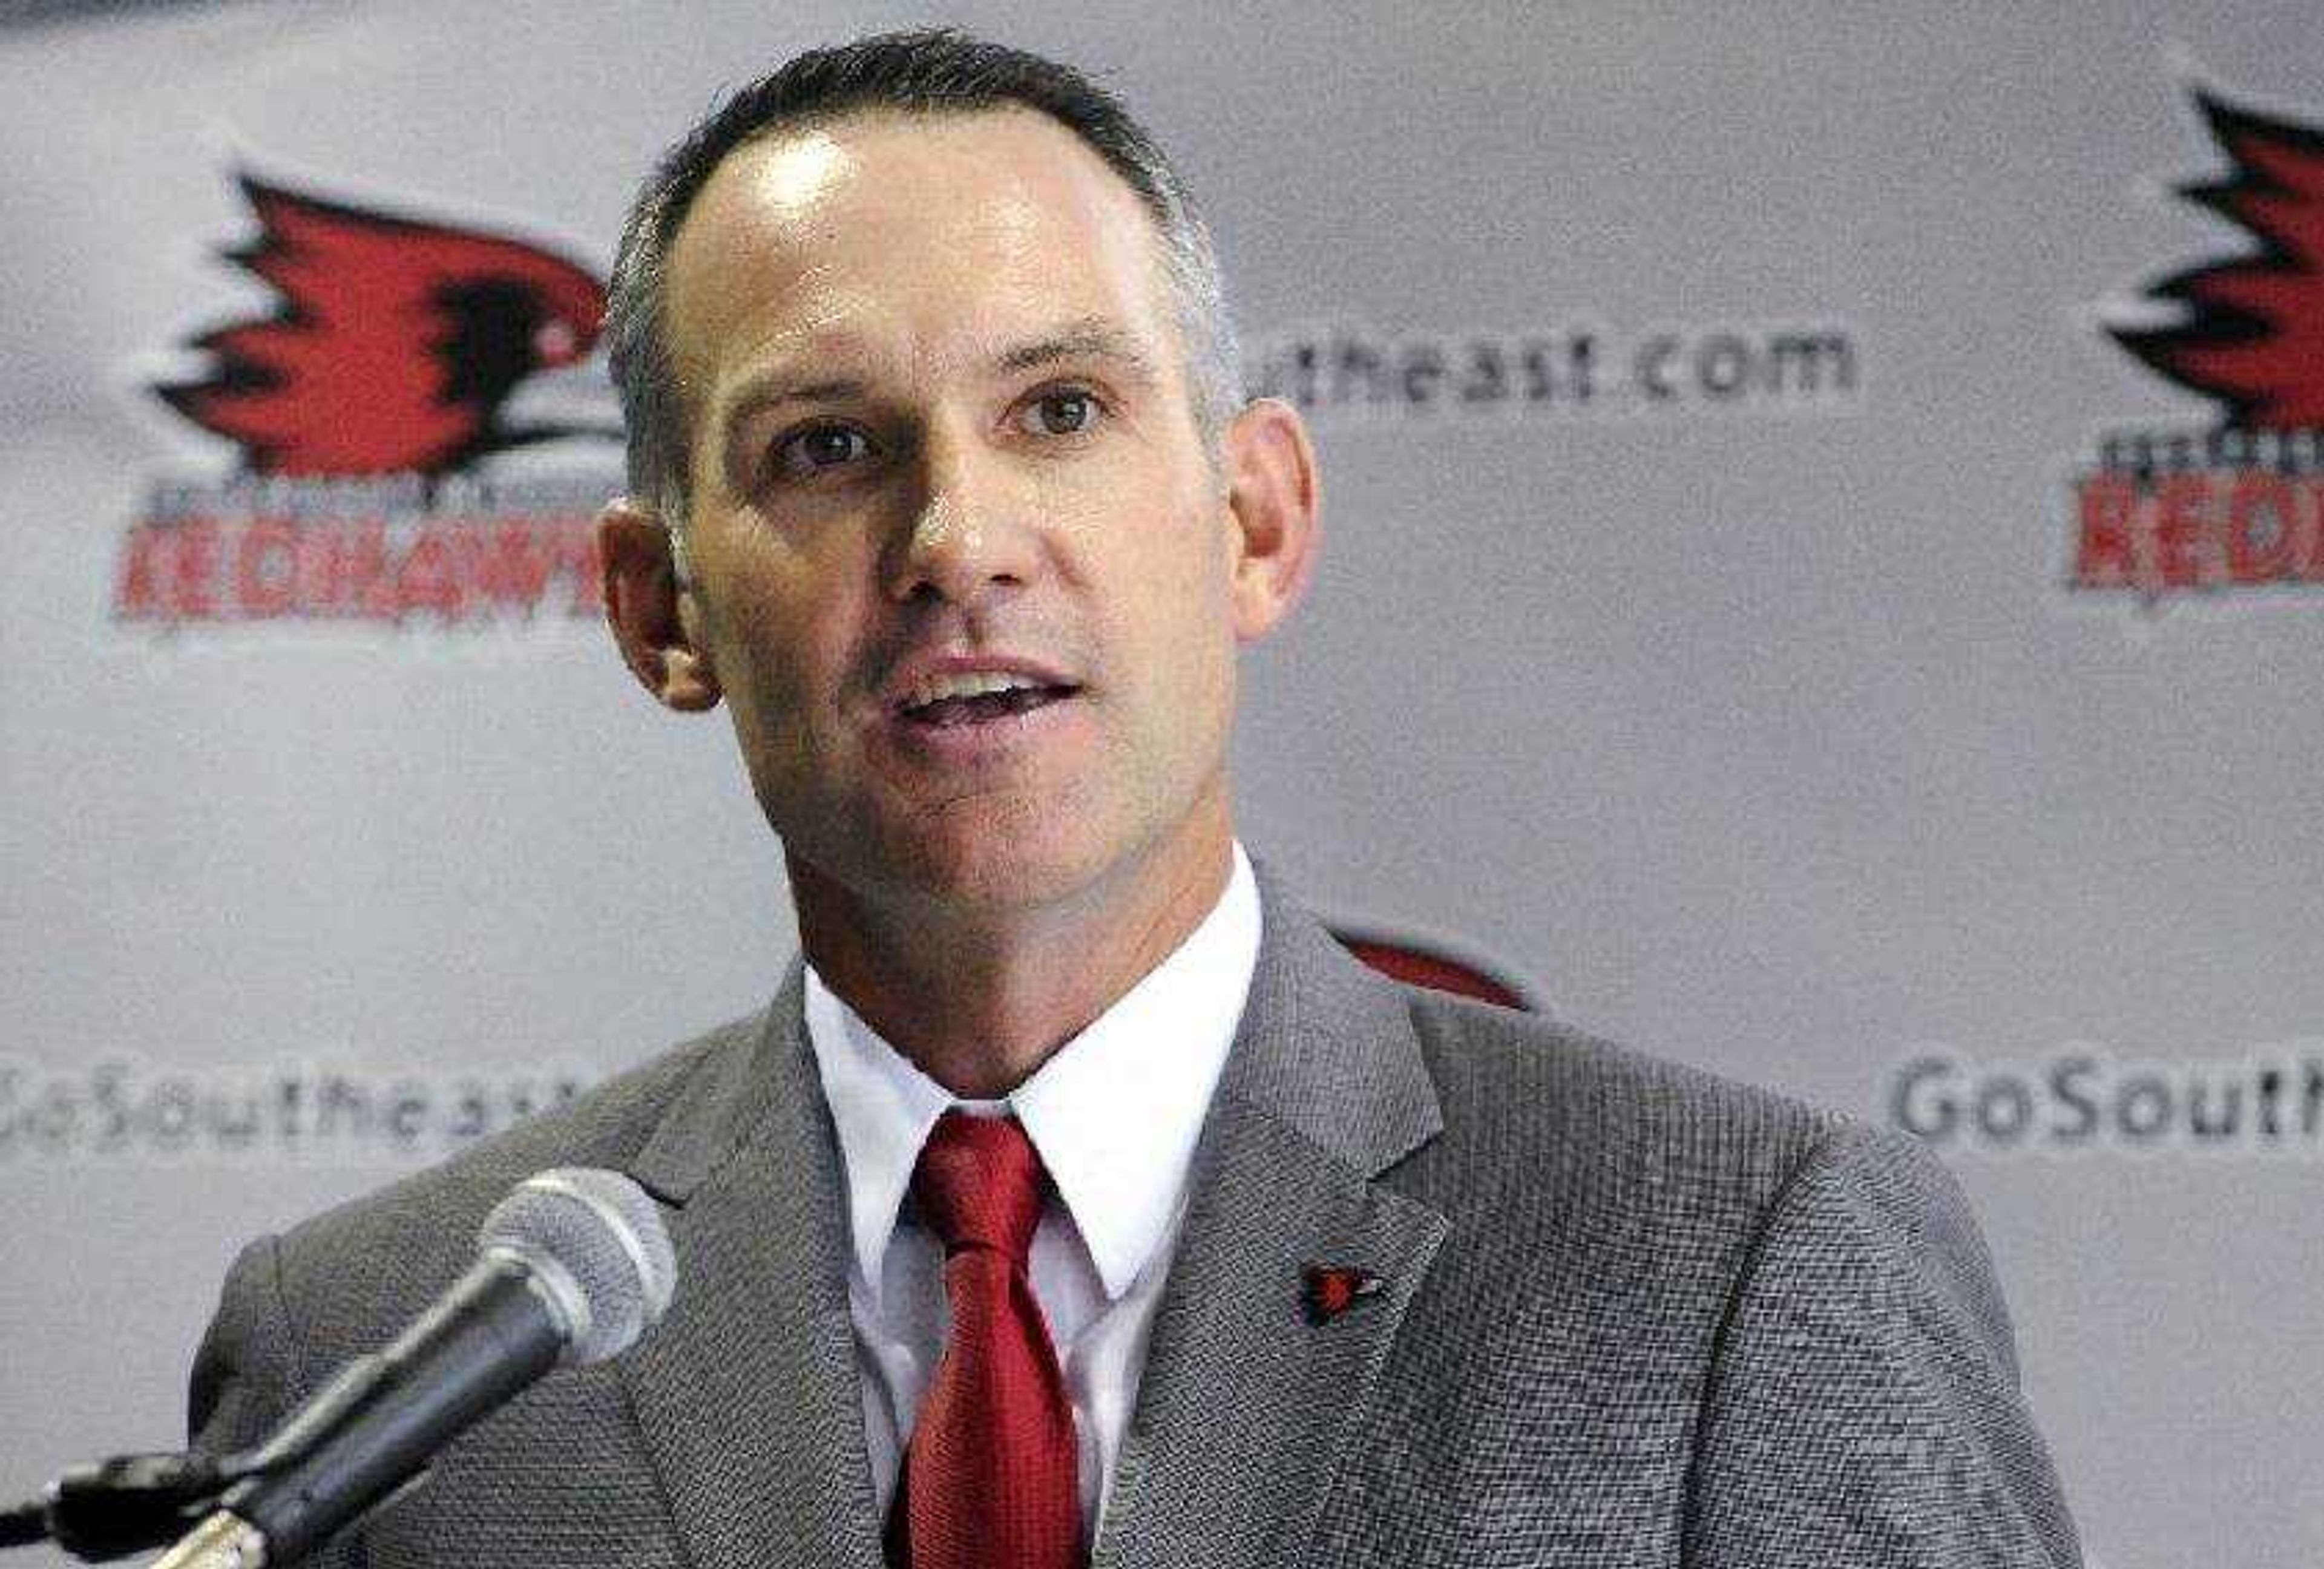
pixel 808 452
pixel 1061 411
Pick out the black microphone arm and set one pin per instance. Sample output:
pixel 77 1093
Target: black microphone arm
pixel 576 1265
pixel 111 1509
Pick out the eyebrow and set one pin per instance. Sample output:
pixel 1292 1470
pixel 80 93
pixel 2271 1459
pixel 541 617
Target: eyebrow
pixel 1090 337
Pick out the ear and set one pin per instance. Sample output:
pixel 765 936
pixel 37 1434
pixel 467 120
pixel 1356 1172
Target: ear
pixel 1272 493
pixel 642 605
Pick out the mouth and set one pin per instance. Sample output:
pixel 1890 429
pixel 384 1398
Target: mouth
pixel 948 702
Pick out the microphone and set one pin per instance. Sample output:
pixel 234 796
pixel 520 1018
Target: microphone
pixel 576 1265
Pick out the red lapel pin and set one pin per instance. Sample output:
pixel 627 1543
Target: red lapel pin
pixel 1331 1289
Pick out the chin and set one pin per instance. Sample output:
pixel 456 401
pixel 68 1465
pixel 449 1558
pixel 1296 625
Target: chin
pixel 1012 874
pixel 997 852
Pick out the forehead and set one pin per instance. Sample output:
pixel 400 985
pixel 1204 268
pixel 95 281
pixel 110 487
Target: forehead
pixel 906 236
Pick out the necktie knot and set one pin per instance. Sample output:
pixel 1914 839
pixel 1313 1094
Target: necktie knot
pixel 979 1184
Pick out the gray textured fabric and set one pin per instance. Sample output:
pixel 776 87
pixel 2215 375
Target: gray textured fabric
pixel 1632 1314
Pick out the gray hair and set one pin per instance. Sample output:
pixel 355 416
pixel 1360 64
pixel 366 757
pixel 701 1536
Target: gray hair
pixel 931 71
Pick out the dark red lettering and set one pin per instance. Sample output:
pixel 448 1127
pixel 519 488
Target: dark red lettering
pixel 2304 560
pixel 578 539
pixel 144 567
pixel 193 570
pixel 428 578
pixel 2182 535
pixel 266 568
pixel 371 586
pixel 2102 547
pixel 2259 526
pixel 506 565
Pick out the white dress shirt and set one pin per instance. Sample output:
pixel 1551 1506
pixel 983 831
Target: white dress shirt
pixel 1114 1114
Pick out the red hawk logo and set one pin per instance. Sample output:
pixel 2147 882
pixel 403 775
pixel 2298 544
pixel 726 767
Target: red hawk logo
pixel 2251 329
pixel 394 343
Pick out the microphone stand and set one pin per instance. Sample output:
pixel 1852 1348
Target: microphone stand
pixel 130 1503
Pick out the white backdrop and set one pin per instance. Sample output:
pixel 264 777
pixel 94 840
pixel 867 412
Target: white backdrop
pixel 1700 399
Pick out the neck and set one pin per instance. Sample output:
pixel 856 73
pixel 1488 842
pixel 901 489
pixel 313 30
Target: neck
pixel 978 999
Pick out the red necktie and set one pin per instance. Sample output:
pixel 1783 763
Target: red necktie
pixel 989 1475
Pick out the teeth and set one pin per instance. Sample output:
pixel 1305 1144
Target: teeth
pixel 970 684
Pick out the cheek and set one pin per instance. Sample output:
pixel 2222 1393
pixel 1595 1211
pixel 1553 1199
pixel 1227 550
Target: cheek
pixel 1178 596
pixel 782 667
pixel 1195 575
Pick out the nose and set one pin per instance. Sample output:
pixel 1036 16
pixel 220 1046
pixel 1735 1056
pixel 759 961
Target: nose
pixel 967 538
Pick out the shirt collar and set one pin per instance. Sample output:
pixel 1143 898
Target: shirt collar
pixel 1114 1112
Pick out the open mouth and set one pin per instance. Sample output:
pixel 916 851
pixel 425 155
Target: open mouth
pixel 945 702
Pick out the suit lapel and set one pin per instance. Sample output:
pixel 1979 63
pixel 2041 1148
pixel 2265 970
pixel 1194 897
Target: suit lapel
pixel 1247 1401
pixel 747 1391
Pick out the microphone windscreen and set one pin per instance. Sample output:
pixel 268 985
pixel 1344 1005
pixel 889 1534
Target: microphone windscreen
pixel 606 1235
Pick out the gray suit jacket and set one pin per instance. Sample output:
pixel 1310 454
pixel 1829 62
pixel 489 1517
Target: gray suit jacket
pixel 1633 1315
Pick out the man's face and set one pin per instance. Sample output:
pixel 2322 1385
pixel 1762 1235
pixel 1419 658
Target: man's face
pixel 964 571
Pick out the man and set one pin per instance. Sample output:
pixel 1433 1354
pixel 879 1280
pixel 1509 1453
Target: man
pixel 1078 1199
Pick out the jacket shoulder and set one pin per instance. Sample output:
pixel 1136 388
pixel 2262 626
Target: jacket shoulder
pixel 351 1273
pixel 1509 1074
pixel 1545 1122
